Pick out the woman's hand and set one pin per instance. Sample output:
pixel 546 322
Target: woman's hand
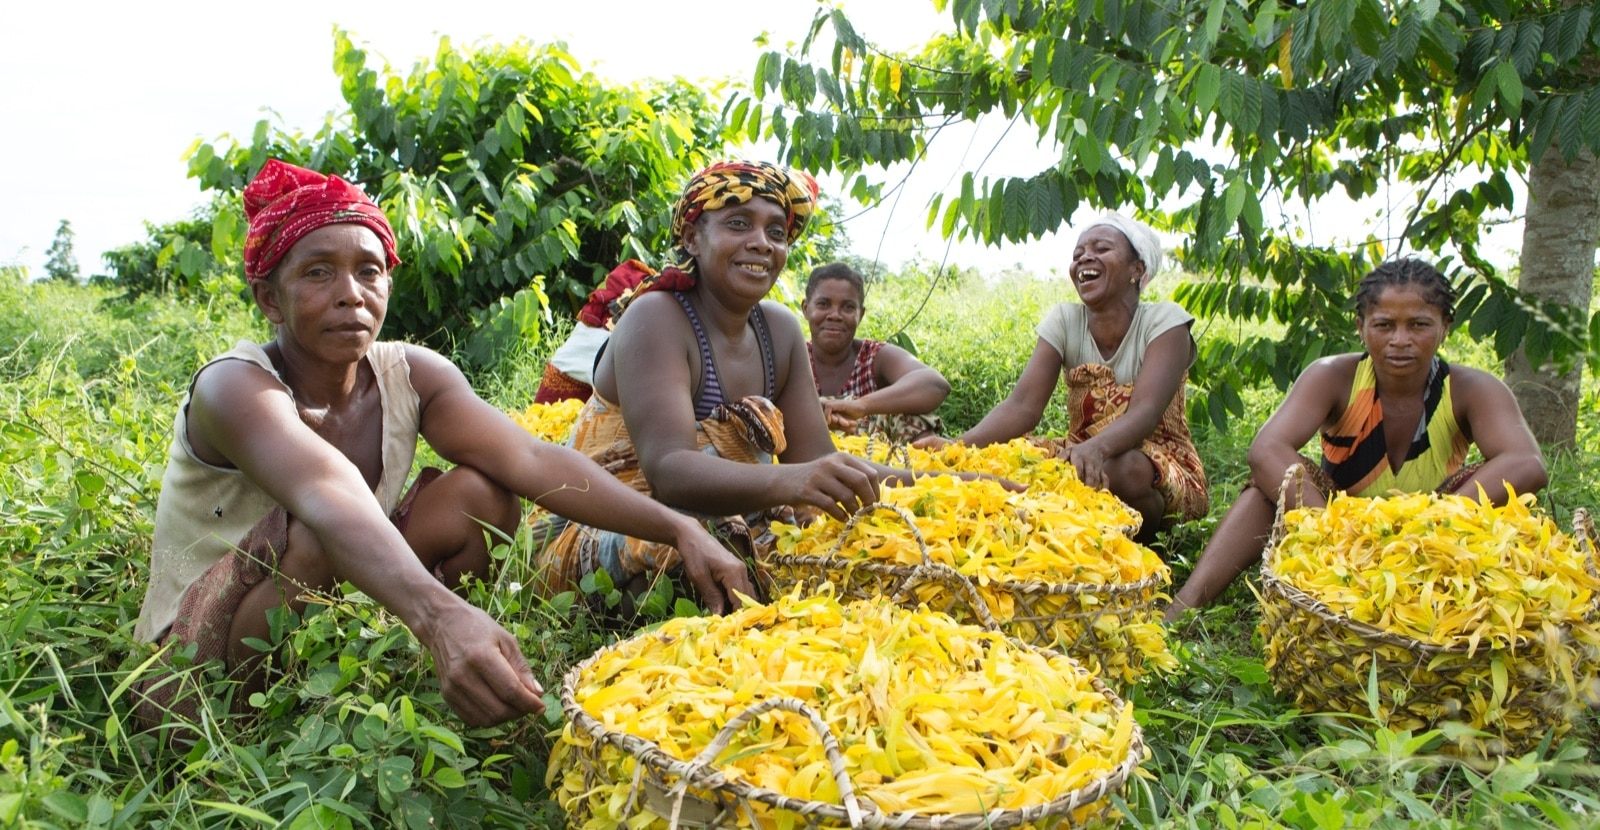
pixel 932 441
pixel 838 484
pixel 1089 459
pixel 715 572
pixel 843 414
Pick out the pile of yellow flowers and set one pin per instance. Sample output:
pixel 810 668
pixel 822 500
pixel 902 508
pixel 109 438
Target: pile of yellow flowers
pixel 1012 547
pixel 931 716
pixel 1503 603
pixel 550 422
pixel 1019 460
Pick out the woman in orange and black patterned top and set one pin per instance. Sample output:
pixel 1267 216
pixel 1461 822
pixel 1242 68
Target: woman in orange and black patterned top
pixel 1395 417
pixel 1125 363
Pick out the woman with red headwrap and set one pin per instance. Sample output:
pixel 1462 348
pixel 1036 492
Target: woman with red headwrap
pixel 287 470
pixel 570 371
pixel 704 381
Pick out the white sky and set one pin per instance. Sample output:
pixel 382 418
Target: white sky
pixel 100 100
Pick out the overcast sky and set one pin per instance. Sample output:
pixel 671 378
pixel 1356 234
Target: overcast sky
pixel 101 100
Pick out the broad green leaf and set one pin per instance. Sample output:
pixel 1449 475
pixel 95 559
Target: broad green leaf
pixel 1208 86
pixel 394 774
pixel 1370 26
pixel 68 805
pixel 318 817
pixel 1510 88
pixel 1591 119
pixel 1237 193
pixel 449 778
pixel 1213 22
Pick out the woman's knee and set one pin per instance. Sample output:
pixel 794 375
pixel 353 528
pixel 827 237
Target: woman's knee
pixel 452 514
pixel 305 561
pixel 1132 475
pixel 467 491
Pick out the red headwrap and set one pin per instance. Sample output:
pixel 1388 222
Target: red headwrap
pixel 597 312
pixel 285 202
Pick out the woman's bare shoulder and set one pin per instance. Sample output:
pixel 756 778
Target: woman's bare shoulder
pixel 1332 367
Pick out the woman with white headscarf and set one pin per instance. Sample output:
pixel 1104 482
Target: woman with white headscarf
pixel 1125 363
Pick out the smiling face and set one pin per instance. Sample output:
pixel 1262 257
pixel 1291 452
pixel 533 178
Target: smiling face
pixel 1104 266
pixel 1402 330
pixel 329 294
pixel 832 312
pixel 740 249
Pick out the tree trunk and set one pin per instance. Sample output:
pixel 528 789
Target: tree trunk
pixel 1559 237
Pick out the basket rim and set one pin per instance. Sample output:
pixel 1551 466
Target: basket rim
pixel 897 569
pixel 649 752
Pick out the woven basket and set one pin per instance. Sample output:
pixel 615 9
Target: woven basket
pixel 1065 616
pixel 695 794
pixel 1328 662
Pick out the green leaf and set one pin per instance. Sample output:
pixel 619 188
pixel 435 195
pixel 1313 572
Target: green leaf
pixel 449 778
pixel 1515 775
pixel 1231 401
pixel 1510 88
pixel 394 774
pixel 317 817
pixel 1591 120
pixel 1544 126
pixel 1569 129
pixel 965 13
pixel 1207 86
pixel 1513 326
pixel 1218 412
pixel 1489 316
pixel 1237 193
pixel 1370 27
pixel 1374 695
pixel 1213 22
pixel 68 805
pixel 768 70
pixel 952 213
pixel 1250 672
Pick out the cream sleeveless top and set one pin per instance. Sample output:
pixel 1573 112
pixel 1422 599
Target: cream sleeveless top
pixel 205 510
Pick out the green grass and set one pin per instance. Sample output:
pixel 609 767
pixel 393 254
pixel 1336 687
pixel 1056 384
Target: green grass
pixel 355 733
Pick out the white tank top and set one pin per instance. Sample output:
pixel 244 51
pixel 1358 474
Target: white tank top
pixel 205 510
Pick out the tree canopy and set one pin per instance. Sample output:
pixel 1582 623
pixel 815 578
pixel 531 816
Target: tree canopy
pixel 1191 112
pixel 61 263
pixel 514 179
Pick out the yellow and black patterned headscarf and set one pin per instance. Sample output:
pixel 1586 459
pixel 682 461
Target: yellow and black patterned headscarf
pixel 725 184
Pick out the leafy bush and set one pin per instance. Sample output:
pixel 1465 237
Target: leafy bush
pixel 198 257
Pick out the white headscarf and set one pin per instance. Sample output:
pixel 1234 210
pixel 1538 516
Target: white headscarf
pixel 1145 244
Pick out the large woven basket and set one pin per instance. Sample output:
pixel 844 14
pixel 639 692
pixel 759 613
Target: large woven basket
pixel 693 793
pixel 1327 662
pixel 1081 620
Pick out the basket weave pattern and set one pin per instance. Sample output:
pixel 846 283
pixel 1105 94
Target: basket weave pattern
pixel 678 792
pixel 1085 621
pixel 1327 662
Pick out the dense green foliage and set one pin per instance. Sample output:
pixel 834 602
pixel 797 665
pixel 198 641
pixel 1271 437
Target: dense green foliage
pixel 1195 113
pixel 515 181
pixel 194 257
pixel 355 733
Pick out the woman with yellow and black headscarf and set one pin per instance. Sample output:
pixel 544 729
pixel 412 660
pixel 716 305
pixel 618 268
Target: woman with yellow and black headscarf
pixel 704 381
